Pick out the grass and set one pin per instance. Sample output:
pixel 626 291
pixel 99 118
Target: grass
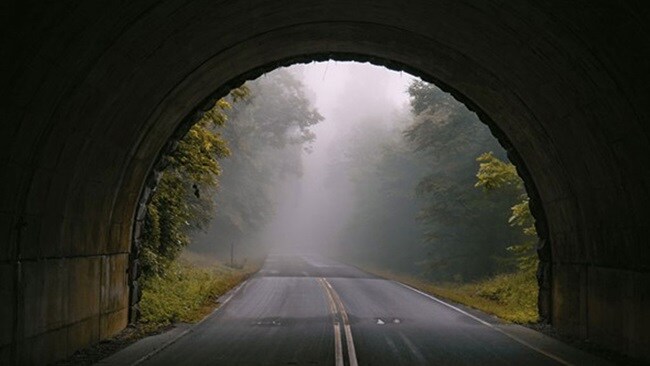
pixel 511 297
pixel 187 292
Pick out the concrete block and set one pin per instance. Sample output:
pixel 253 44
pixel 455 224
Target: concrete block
pixel 33 283
pixel 83 333
pixel 79 231
pixel 83 287
pixel 5 355
pixel 70 154
pixel 619 310
pixel 49 240
pixel 38 192
pixel 7 130
pixel 112 323
pixel 56 293
pixel 98 243
pixel 606 291
pixel 45 291
pixel 58 193
pixel 7 231
pixel 120 237
pixel 67 238
pixel 30 246
pixel 44 348
pixel 570 299
pixel 7 304
pixel 558 211
pixel 10 186
pixel 558 241
pixel 114 290
pixel 52 150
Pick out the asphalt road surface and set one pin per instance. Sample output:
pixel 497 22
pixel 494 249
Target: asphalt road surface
pixel 304 310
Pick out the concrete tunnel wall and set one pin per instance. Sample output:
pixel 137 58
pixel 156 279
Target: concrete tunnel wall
pixel 92 93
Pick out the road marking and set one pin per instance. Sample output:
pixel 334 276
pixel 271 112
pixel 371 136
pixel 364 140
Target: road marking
pixel 514 338
pixel 346 324
pixel 338 346
pixel 337 308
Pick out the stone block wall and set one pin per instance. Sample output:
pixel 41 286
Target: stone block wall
pixel 63 304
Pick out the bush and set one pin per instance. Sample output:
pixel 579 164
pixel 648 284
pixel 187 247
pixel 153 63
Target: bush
pixel 185 292
pixel 512 296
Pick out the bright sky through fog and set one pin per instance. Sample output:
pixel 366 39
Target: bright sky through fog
pixel 355 88
pixel 311 214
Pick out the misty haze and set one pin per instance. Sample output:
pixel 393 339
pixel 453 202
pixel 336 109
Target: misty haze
pixel 385 177
pixel 313 206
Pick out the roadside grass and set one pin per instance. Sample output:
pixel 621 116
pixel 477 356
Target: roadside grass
pixel 511 296
pixel 187 292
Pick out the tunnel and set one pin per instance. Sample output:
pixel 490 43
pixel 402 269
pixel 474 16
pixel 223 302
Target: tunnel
pixel 94 93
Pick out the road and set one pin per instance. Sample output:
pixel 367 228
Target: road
pixel 314 311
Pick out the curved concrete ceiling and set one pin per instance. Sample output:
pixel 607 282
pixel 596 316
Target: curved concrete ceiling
pixel 93 93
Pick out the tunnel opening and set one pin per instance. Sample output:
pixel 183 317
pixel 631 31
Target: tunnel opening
pixel 87 116
pixel 542 266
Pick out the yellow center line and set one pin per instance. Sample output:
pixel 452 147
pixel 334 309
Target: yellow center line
pixel 334 296
pixel 338 346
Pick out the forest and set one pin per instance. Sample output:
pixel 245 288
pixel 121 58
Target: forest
pixel 418 189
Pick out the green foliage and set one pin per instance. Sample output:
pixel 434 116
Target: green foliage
pixel 183 200
pixel 183 292
pixel 463 229
pixel 495 174
pixel 424 168
pixel 426 96
pixel 510 296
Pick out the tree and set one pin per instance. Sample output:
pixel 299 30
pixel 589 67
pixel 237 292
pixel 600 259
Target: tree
pixel 462 227
pixel 183 199
pixel 494 174
pixel 267 135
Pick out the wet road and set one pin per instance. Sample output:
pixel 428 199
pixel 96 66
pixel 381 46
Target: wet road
pixel 313 311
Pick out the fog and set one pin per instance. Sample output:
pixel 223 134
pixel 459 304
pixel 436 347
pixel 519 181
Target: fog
pixel 355 161
pixel 314 208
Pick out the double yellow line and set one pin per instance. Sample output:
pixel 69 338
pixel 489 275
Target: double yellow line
pixel 339 315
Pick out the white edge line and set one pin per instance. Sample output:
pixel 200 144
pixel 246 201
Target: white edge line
pixel 186 331
pixel 514 338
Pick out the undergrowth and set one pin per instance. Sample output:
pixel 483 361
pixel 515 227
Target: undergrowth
pixel 185 293
pixel 511 297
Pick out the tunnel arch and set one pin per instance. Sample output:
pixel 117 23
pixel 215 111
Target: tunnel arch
pixel 149 186
pixel 95 92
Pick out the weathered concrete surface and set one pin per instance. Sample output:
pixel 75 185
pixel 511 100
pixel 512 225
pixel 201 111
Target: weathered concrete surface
pixel 93 91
